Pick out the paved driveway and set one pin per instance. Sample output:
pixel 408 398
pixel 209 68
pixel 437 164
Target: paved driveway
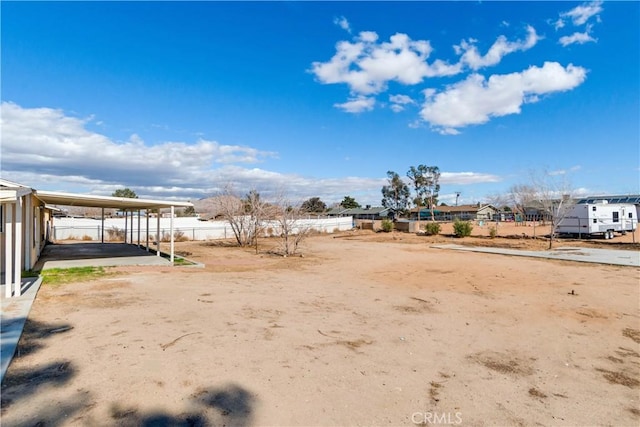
pixel 598 256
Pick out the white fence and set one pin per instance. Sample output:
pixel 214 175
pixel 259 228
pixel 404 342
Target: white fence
pixel 189 228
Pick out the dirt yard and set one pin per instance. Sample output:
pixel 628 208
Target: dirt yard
pixel 364 329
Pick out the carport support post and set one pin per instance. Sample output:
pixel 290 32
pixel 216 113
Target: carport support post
pixel 158 234
pixel 125 225
pixel 102 228
pixel 9 249
pixel 147 216
pixel 138 227
pixel 171 231
pixel 131 239
pixel 18 248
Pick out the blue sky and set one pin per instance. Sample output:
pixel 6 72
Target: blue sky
pixel 177 100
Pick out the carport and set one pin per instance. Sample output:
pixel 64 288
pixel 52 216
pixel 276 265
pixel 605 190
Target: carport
pixel 129 206
pixel 25 224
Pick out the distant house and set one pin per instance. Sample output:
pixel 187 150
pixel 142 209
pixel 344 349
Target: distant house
pixel 462 212
pixel 368 212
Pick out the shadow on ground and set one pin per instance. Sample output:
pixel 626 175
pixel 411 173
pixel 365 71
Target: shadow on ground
pixel 230 405
pixel 21 383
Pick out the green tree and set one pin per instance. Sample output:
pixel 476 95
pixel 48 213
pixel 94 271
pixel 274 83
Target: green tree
pixel 432 185
pixel 395 195
pixel 426 185
pixel 314 204
pixel 418 180
pixel 125 192
pixel 349 203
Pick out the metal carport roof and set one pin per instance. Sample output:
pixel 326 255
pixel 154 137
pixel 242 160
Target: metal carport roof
pixel 87 200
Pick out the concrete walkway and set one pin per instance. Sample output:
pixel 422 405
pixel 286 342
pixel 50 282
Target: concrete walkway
pixel 592 255
pixel 14 315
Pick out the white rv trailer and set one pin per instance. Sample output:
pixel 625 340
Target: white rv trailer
pixel 602 218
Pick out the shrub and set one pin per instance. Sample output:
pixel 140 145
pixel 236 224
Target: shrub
pixel 178 236
pixel 387 225
pixel 115 233
pixel 87 237
pixel 432 228
pixel 493 232
pixel 462 228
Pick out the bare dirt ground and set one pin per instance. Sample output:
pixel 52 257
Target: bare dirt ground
pixel 364 329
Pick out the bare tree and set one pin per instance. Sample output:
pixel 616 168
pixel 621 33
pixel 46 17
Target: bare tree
pixel 293 228
pixel 256 209
pixel 520 196
pixel 555 195
pixel 243 215
pixel 549 192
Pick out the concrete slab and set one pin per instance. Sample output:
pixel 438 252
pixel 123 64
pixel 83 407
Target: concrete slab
pixel 14 315
pixel 592 255
pixel 96 255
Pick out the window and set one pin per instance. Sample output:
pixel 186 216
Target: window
pixel 595 221
pixel 630 215
pixel 616 217
pixel 593 208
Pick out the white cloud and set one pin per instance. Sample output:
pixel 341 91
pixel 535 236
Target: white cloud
pixel 357 105
pixel 343 23
pixel 366 66
pixel 576 37
pixel 399 101
pixel 558 24
pixel 579 15
pixel 52 143
pixel 467 178
pixel 49 150
pixel 476 100
pixel 565 171
pixel 500 48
